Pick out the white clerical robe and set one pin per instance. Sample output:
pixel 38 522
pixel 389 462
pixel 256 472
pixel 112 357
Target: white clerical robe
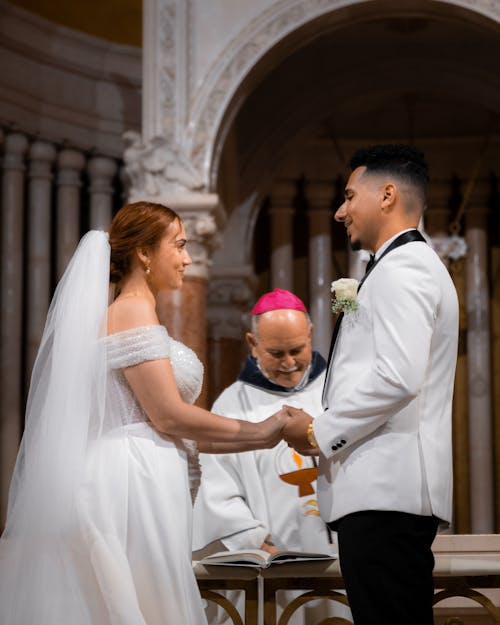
pixel 242 497
pixel 247 496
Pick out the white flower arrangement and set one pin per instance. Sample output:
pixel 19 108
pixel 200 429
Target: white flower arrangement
pixel 345 293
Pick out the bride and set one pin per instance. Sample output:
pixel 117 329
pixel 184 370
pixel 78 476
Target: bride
pixel 99 519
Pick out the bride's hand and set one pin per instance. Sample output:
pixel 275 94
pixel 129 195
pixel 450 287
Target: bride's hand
pixel 271 427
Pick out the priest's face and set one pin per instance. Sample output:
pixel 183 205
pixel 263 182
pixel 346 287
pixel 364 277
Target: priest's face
pixel 281 345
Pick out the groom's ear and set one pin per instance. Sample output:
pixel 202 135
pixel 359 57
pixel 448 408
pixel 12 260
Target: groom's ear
pixel 389 195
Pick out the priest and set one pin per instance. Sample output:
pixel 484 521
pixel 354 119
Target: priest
pixel 266 499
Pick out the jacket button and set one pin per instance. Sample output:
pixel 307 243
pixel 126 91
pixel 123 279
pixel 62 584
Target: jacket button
pixel 343 441
pixel 334 447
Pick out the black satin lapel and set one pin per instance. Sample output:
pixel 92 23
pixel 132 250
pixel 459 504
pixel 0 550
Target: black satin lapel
pixel 334 337
pixel 406 237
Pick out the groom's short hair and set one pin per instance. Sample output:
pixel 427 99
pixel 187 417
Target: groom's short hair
pixel 403 161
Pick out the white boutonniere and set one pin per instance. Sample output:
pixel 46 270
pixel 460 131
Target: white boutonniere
pixel 345 297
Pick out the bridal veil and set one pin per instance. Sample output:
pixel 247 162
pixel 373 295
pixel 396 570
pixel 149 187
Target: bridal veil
pixel 40 550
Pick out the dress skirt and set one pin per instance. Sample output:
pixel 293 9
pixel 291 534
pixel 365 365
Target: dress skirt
pixel 135 513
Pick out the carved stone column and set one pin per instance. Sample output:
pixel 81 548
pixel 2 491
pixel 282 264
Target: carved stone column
pixel 230 298
pixel 320 264
pixel 281 214
pixel 11 314
pixel 70 165
pixel 160 164
pixel 495 316
pixel 478 364
pixel 42 156
pixel 102 171
pixel 357 262
pixel 437 221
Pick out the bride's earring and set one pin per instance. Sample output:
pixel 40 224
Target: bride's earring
pixel 147 270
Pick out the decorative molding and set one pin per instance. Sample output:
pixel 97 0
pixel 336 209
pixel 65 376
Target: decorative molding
pixel 212 100
pixel 168 67
pixel 230 297
pixel 158 167
pixel 65 86
pixel 68 49
pixel 189 119
pixel 160 152
pixel 449 248
pixel 203 236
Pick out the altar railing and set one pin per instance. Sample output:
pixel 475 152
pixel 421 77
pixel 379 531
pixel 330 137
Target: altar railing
pixel 466 574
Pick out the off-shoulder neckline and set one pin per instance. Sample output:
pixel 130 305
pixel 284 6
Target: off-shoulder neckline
pixel 130 331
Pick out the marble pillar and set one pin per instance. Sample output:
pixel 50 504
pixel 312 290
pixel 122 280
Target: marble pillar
pixel 437 222
pixel 495 314
pixel 479 365
pixel 70 164
pixel 102 171
pixel 41 159
pixel 230 298
pixel 356 262
pixel 281 214
pixel 183 312
pixel 11 315
pixel 320 264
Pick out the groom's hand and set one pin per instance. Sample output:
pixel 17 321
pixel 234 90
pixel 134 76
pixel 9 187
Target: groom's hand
pixel 295 431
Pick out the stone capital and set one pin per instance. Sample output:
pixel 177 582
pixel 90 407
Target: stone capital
pixel 42 155
pixel 70 165
pixel 202 217
pixel 101 170
pixel 158 167
pixel 15 148
pixel 230 297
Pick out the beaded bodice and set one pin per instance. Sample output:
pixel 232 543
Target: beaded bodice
pixel 131 347
pixel 137 345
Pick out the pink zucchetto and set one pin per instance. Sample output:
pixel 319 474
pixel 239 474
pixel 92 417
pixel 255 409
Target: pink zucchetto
pixel 277 300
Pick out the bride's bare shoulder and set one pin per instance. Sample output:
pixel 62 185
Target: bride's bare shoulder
pixel 131 312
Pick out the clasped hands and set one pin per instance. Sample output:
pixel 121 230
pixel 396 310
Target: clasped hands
pixel 294 431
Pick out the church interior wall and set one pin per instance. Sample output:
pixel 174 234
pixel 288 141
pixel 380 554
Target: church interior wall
pixel 298 118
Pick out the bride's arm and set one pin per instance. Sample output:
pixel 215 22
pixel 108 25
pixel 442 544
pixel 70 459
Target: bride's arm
pixel 154 386
pixel 236 446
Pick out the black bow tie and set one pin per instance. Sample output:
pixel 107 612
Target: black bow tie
pixel 370 263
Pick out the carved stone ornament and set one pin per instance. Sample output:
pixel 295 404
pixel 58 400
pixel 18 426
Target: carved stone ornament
pixel 158 168
pixel 203 237
pixel 210 102
pixel 228 301
pixel 449 248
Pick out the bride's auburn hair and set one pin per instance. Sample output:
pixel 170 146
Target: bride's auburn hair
pixel 136 225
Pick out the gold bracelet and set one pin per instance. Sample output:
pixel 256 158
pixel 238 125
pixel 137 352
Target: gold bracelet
pixel 311 439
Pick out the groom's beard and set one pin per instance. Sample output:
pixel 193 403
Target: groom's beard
pixel 355 245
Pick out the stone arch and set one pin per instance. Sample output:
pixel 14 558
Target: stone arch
pixel 283 27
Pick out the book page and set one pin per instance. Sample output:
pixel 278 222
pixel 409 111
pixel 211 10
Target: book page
pixel 262 559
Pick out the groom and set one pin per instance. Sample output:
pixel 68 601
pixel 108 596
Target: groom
pixel 385 471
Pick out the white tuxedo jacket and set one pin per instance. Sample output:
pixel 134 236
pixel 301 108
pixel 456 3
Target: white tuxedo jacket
pixel 385 434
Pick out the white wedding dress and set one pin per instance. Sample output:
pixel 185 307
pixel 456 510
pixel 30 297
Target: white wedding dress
pixel 105 540
pixel 98 528
pixel 136 504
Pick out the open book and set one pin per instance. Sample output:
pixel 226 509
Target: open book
pixel 262 559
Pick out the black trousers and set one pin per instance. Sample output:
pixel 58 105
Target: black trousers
pixel 387 563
